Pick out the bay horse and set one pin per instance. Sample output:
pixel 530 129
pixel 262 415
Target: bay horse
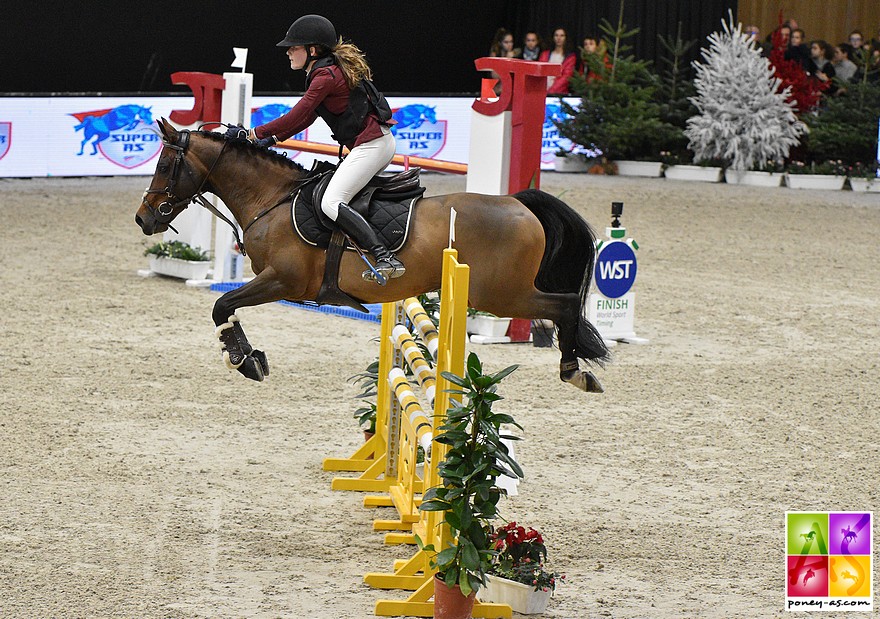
pixel 530 254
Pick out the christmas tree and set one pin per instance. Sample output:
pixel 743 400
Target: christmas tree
pixel 743 119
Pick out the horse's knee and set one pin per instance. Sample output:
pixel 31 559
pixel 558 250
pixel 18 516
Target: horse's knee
pixel 222 311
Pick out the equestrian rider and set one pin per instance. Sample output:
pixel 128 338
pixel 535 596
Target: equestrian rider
pixel 339 90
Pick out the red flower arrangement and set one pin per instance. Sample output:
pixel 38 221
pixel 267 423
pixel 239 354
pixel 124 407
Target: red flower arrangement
pixel 806 90
pixel 520 556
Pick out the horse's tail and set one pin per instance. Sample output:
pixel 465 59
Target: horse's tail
pixel 568 263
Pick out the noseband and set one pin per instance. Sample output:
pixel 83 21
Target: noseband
pixel 165 211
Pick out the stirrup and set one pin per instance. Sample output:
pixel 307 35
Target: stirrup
pixel 387 268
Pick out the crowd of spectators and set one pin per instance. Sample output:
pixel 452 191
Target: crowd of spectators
pixel 558 48
pixel 837 64
pixel 844 62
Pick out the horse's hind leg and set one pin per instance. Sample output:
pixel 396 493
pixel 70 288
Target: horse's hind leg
pixel 565 310
pixel 237 351
pixel 569 369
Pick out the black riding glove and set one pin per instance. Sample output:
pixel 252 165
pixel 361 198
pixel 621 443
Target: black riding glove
pixel 238 133
pixel 265 142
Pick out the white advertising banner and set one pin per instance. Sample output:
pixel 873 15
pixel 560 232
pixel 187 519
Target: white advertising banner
pixel 111 136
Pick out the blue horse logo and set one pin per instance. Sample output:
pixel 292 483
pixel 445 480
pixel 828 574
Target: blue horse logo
pixel 124 117
pixel 267 113
pixel 412 117
pixel 553 113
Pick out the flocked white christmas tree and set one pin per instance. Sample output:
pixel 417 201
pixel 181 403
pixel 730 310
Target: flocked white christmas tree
pixel 743 120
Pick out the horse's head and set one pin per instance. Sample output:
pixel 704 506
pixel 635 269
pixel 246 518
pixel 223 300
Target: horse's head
pixel 171 190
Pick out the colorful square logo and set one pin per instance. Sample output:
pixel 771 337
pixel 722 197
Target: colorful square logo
pixel 828 561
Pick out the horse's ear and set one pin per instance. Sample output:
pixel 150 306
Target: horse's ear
pixel 167 130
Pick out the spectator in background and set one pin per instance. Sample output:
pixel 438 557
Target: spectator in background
pixel 798 50
pixel 844 68
pixel 502 45
pixel 531 46
pixel 594 49
pixel 561 54
pixel 857 41
pixel 753 32
pixel 819 64
pixel 783 32
pixel 591 44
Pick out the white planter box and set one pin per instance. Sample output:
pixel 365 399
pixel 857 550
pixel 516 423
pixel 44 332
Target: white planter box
pixel 865 185
pixel 814 181
pixel 487 325
pixel 705 174
pixel 570 164
pixel 184 269
pixel 651 169
pixel 755 178
pixel 521 598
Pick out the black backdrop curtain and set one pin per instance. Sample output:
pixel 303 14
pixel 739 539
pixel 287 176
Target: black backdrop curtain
pixel 417 47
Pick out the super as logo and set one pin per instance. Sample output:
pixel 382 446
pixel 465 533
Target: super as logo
pixel 269 112
pixel 418 132
pixel 5 138
pixel 123 134
pixel 615 269
pixel 552 141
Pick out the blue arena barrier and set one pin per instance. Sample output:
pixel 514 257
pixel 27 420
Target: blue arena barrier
pixel 375 309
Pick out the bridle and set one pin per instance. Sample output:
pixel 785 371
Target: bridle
pixel 164 213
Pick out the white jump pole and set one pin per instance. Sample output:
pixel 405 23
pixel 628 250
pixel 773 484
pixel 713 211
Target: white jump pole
pixel 235 109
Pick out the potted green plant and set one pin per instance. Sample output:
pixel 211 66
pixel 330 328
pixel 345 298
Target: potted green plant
pixel 178 259
pixel 484 323
pixel 845 129
pixel 475 457
pixel 519 576
pixel 768 174
pixel 679 167
pixel 368 382
pixel 816 175
pixel 863 177
pixel 567 161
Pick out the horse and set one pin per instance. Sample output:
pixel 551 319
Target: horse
pixel 530 255
pixel 124 117
pixel 412 117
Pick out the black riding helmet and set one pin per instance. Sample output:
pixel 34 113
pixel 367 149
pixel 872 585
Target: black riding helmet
pixel 310 30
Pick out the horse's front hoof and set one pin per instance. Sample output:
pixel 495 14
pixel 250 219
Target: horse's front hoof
pixel 251 368
pixel 585 381
pixel 260 356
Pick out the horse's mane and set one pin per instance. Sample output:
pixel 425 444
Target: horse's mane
pixel 253 150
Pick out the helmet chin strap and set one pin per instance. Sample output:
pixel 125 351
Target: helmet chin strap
pixel 310 58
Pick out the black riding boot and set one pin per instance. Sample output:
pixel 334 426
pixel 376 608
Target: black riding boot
pixel 355 226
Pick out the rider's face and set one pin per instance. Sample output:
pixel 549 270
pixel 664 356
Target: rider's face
pixel 298 56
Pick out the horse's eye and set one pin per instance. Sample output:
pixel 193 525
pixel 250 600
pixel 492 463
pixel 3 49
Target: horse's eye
pixel 162 167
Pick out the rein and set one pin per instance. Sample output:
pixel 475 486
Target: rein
pixel 164 212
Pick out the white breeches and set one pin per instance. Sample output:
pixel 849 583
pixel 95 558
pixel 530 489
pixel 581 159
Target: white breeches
pixel 355 171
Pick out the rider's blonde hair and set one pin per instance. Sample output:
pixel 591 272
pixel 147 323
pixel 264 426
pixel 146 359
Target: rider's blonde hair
pixel 352 62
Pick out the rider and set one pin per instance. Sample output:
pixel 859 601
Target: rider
pixel 339 90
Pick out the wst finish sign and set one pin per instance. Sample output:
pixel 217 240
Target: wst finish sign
pixel 612 310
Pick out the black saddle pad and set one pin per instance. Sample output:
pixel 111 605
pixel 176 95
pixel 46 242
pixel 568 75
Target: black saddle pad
pixel 389 215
